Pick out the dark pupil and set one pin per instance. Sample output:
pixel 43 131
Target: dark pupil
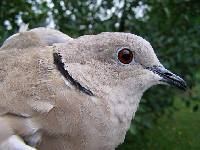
pixel 125 56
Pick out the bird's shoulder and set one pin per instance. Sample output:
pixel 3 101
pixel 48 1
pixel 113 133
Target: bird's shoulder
pixel 23 73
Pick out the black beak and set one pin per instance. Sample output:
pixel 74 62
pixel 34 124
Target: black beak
pixel 169 77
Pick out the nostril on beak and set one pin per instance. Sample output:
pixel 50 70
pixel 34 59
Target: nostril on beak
pixel 167 74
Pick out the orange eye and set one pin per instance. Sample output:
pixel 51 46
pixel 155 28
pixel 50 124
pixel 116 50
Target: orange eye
pixel 125 55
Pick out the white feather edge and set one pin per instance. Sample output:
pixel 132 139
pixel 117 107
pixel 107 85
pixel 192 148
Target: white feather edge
pixel 23 28
pixel 14 142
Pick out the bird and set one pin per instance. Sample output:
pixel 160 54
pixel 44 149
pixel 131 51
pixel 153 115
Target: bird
pixel 63 93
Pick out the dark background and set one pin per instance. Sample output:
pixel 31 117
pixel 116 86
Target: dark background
pixel 167 118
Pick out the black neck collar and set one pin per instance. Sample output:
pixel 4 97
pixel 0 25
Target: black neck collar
pixel 60 66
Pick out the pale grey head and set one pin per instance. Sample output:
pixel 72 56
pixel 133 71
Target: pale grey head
pixel 103 62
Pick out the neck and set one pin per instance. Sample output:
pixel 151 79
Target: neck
pixel 123 106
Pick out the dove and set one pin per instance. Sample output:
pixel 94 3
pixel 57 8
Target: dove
pixel 63 93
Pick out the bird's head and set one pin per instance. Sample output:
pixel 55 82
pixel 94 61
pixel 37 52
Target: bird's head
pixel 112 62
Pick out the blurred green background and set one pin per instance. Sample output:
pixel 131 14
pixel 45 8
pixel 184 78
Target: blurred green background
pixel 167 119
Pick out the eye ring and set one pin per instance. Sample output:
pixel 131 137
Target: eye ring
pixel 125 55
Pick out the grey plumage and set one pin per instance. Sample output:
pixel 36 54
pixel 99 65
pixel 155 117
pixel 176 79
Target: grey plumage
pixel 59 93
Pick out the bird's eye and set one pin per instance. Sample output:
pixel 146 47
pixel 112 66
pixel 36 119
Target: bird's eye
pixel 125 55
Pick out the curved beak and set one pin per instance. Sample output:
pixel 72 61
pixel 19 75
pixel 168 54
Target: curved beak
pixel 169 77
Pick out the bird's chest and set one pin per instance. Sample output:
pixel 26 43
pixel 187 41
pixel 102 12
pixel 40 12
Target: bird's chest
pixel 90 122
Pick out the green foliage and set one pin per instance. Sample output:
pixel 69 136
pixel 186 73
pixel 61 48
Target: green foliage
pixel 171 26
pixel 13 12
pixel 177 133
